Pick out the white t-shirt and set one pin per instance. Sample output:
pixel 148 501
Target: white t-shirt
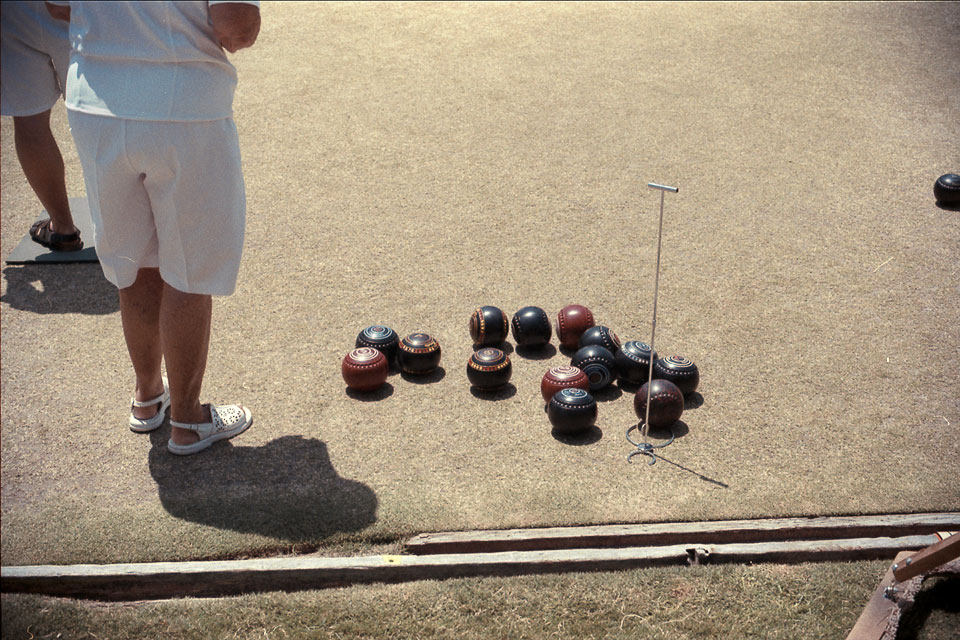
pixel 148 61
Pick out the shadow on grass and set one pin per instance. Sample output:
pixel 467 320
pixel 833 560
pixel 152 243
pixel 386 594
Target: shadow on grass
pixel 380 393
pixel 661 437
pixel 703 477
pixel 436 375
pixel 544 352
pixel 588 436
pixel 502 393
pixel 286 489
pixel 60 288
pixel 607 394
pixel 568 351
pixel 628 387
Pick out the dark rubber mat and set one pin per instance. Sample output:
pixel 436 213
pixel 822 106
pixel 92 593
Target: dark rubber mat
pixel 27 251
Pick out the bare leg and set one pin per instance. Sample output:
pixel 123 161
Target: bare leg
pixel 140 314
pixel 160 322
pixel 185 338
pixel 42 164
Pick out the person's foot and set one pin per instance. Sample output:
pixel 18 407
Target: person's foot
pixel 225 421
pixel 187 436
pixel 64 230
pixel 42 233
pixel 148 407
pixel 143 394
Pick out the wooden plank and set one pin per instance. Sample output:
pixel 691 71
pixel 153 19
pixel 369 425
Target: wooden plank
pixel 928 559
pixel 717 532
pixel 210 579
pixel 809 550
pixel 875 618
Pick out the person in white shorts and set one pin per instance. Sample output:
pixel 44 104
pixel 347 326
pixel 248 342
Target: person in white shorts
pixel 34 50
pixel 150 103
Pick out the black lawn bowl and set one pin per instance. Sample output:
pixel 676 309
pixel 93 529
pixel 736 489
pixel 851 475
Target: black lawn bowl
pixel 572 410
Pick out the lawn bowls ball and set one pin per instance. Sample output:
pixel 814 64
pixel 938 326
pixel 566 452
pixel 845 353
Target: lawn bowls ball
pixel 597 363
pixel 572 411
pixel 419 353
pixel 489 326
pixel 947 190
pixel 564 377
pixel 601 336
pixel 365 369
pixel 489 369
pixel 381 338
pixel 531 327
pixel 679 371
pixel 572 321
pixel 633 362
pixel 666 403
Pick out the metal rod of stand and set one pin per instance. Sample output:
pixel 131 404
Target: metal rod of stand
pixel 656 289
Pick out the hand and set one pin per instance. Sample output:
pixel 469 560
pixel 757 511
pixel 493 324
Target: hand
pixel 236 25
pixel 58 11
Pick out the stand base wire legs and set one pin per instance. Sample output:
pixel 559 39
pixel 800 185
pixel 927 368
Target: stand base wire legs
pixel 645 448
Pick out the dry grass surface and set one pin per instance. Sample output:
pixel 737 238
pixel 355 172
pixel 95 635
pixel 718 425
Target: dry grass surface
pixel 770 601
pixel 406 163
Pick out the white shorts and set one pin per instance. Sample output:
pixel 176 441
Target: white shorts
pixel 167 195
pixel 34 55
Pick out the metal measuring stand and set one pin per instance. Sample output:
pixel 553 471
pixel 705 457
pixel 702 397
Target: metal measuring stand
pixel 645 447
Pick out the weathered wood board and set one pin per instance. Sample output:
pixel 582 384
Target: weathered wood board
pixel 210 579
pixel 875 618
pixel 717 532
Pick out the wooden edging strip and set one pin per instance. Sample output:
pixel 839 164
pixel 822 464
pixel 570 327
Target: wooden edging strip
pixel 875 618
pixel 211 579
pixel 666 533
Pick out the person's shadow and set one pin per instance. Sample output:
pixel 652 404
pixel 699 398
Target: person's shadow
pixel 286 489
pixel 60 288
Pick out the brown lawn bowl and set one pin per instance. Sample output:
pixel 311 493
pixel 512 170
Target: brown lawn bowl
pixel 572 321
pixel 666 403
pixel 365 369
pixel 565 377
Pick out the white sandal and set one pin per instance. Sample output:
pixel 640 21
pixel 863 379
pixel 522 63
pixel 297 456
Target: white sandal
pixel 227 421
pixel 139 425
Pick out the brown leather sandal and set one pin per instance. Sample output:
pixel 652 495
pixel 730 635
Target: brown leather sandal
pixel 41 233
